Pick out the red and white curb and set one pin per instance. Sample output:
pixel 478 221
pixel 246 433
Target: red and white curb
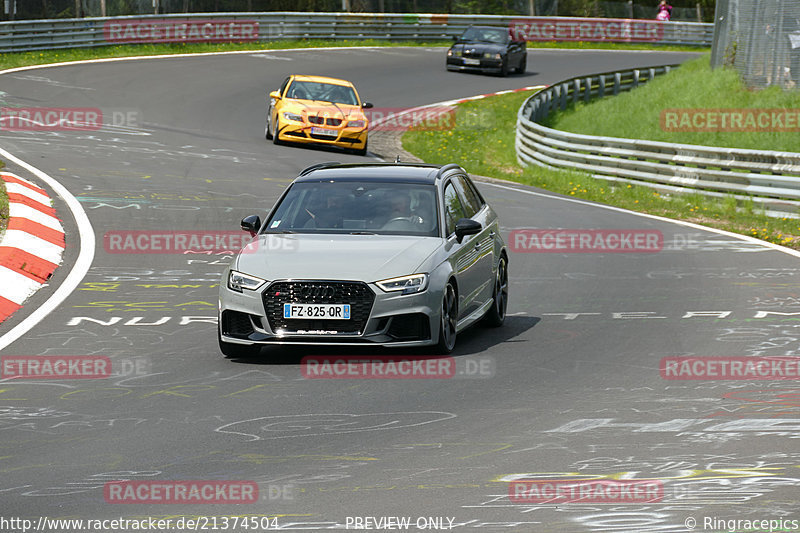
pixel 32 246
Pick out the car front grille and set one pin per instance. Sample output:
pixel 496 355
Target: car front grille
pixel 356 293
pixel 322 120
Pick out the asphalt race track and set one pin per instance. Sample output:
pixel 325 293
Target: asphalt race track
pixel 568 389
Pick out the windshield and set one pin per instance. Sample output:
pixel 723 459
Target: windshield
pixel 357 207
pixel 491 35
pixel 325 92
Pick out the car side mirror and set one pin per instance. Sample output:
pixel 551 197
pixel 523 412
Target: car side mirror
pixel 275 94
pixel 251 224
pixel 367 105
pixel 467 226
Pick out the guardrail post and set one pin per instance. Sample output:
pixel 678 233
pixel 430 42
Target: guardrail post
pixel 617 79
pixel 587 95
pixel 564 91
pixel 635 78
pixel 601 85
pixel 576 90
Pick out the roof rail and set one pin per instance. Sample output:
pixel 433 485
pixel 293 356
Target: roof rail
pixel 318 166
pixel 451 166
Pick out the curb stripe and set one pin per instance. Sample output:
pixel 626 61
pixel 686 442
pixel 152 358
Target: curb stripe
pixel 29 213
pixel 22 285
pixel 32 245
pixel 22 190
pixel 24 200
pixel 10 178
pixel 43 232
pixel 7 308
pixel 29 265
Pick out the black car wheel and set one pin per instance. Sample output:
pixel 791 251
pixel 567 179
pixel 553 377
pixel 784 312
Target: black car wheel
pixel 523 64
pixel 504 67
pixel 361 151
pixel 497 313
pixel 275 127
pixel 449 320
pixel 268 128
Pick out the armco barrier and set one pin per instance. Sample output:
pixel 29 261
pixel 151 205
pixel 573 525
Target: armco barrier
pixel 771 178
pixel 80 33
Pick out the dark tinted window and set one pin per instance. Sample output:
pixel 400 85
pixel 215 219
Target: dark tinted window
pixel 385 208
pixel 453 208
pixel 487 35
pixel 323 92
pixel 283 86
pixel 473 202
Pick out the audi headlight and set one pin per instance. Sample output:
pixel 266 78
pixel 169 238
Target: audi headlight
pixel 405 284
pixel 238 281
pixel 356 124
pixel 293 116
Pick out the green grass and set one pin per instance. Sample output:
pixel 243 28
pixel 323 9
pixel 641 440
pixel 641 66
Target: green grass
pixel 482 141
pixel 693 85
pixel 22 59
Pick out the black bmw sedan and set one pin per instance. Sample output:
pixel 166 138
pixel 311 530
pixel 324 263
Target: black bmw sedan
pixel 487 49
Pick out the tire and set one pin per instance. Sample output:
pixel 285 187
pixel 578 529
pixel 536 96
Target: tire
pixel 523 64
pixel 504 68
pixel 448 320
pixel 236 351
pixel 361 151
pixel 275 129
pixel 268 128
pixel 496 314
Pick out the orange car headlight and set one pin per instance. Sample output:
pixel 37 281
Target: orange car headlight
pixel 293 116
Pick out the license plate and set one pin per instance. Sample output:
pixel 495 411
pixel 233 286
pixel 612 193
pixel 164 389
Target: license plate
pixel 324 131
pixel 317 311
pixel 472 61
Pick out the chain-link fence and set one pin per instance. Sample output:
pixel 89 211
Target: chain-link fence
pixel 687 11
pixel 760 39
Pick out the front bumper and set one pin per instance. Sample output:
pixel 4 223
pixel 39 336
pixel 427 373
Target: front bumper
pixel 301 132
pixel 484 65
pixel 378 318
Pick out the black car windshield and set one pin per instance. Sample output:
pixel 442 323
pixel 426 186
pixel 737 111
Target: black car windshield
pixel 489 35
pixel 357 207
pixel 325 92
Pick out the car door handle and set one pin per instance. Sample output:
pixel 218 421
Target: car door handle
pixel 491 234
pixel 477 245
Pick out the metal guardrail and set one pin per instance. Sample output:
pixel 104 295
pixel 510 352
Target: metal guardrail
pixel 22 36
pixel 770 178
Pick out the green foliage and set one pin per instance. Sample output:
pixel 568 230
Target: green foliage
pixel 692 86
pixel 482 141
